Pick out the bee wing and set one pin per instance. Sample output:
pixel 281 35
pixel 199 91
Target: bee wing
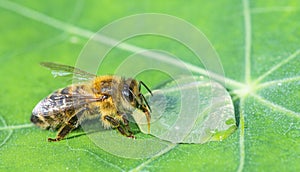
pixel 73 100
pixel 57 103
pixel 60 70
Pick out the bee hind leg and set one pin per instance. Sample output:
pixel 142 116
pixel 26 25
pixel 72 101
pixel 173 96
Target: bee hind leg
pixel 123 130
pixel 65 129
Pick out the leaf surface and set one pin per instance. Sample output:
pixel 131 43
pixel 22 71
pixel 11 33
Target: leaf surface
pixel 258 44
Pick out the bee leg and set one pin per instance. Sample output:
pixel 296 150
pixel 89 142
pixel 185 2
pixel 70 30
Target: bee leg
pixel 68 126
pixel 120 127
pixel 126 123
pixel 122 131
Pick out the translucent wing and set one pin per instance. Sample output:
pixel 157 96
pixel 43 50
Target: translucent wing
pixel 57 103
pixel 60 70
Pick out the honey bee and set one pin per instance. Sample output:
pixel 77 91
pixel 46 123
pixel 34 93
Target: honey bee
pixel 110 98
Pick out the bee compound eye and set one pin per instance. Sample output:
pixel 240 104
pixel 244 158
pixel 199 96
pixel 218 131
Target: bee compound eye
pixel 127 94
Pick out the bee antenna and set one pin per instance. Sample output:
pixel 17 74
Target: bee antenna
pixel 142 83
pixel 146 102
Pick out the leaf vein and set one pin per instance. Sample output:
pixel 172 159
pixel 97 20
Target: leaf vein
pixel 242 136
pixel 277 66
pixel 9 133
pixel 13 127
pixel 276 82
pixel 248 41
pixel 276 106
pixel 145 163
pixel 96 156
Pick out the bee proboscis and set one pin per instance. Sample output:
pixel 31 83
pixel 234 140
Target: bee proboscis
pixel 112 98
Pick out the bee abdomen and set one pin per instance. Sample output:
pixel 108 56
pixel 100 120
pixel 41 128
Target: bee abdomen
pixel 44 122
pixel 36 120
pixel 45 115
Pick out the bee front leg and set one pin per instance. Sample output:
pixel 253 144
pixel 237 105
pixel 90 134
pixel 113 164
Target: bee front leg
pixel 71 124
pixel 126 123
pixel 120 127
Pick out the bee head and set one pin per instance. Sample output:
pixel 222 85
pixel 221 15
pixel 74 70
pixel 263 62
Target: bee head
pixel 132 93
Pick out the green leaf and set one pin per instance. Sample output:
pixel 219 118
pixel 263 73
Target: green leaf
pixel 258 44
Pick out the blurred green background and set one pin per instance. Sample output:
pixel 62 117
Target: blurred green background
pixel 257 38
